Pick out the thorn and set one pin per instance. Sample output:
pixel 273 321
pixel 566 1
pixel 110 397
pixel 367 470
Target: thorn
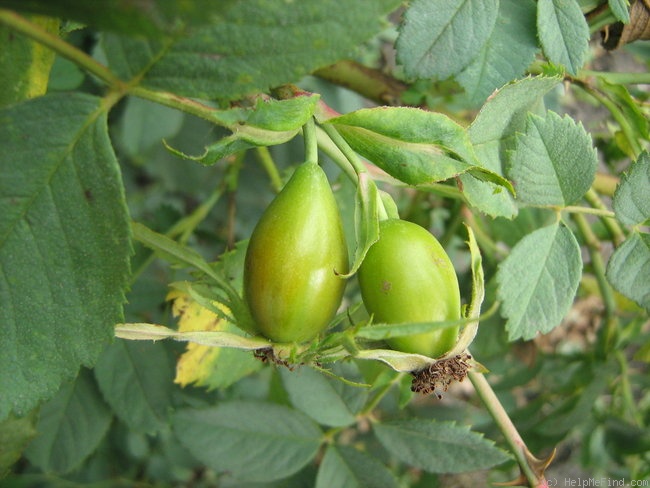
pixel 519 481
pixel 539 466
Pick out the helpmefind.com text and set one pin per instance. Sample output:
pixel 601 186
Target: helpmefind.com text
pixel 601 482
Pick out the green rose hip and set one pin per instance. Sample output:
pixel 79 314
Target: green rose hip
pixel 298 246
pixel 407 276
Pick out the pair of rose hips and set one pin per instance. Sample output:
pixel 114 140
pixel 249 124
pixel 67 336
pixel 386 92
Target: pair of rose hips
pixel 291 283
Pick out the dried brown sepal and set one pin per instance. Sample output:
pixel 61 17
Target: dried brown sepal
pixel 617 35
pixel 440 375
pixel 266 355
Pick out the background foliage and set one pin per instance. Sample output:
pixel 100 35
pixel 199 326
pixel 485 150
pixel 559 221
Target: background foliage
pixel 171 125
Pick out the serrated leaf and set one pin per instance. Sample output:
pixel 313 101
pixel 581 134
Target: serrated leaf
pixel 347 467
pixel 491 134
pixel 506 54
pixel 135 380
pixel 258 44
pixel 70 426
pixel 629 267
pixel 64 244
pixel 505 113
pixel 485 197
pixel 554 161
pixel 327 400
pixel 268 123
pixel 250 441
pixel 439 38
pixel 150 18
pixel 631 203
pixel 412 145
pixel 24 63
pixel 212 367
pixel 15 435
pixel 438 447
pixel 538 281
pixel 563 32
pixel 268 114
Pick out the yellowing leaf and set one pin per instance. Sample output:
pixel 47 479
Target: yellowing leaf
pixel 213 367
pixel 191 366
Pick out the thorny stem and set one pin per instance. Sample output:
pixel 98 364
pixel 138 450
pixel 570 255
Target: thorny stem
pixel 505 425
pixel 607 331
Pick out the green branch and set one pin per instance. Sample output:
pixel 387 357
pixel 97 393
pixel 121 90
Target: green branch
pixel 611 224
pixel 601 212
pixel 641 78
pixel 367 82
pixel 534 475
pixel 183 104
